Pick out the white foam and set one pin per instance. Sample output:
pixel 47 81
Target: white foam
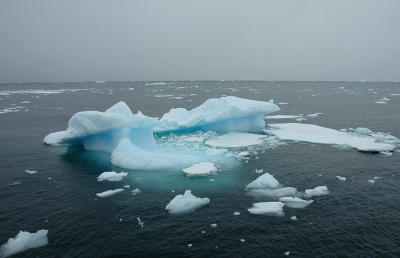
pixel 24 241
pixel 185 203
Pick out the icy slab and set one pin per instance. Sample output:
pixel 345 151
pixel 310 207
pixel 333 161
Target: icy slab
pixel 200 169
pixel 136 191
pixel 24 241
pixel 30 171
pixel 185 203
pixel 273 193
pixel 111 176
pixel 341 178
pixel 295 202
pixel 322 135
pixel 109 193
pixel 265 181
pixel 225 114
pixel 283 117
pixel 317 191
pixel 267 208
pixel 237 140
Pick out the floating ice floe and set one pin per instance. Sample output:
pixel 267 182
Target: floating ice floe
pixel 185 203
pixel 341 178
pixel 111 176
pixel 383 100
pixel 236 213
pixel 109 193
pixel 200 169
pixel 295 202
pixel 31 171
pixel 283 117
pixel 265 181
pixel 314 115
pixel 273 193
pixel 317 191
pixel 267 208
pixel 24 241
pixel 322 135
pixel 136 191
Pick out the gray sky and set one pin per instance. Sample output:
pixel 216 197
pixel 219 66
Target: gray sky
pixel 86 40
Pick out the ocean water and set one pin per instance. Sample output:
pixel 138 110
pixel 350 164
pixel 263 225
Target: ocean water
pixel 357 219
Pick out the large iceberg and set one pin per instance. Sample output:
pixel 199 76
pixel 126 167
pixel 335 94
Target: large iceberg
pixel 129 138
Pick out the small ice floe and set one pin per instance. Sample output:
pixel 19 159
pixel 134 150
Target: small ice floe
pixel 109 193
pixel 236 213
pixel 314 115
pixel 243 154
pixel 283 103
pixel 200 169
pixel 111 176
pixel 242 240
pixel 131 89
pixel 383 100
pixel 189 245
pixel 185 203
pixel 267 208
pixel 386 153
pixel 24 241
pixel 317 191
pixel 287 253
pixel 273 193
pixel 293 218
pixel 140 223
pixel 31 171
pixel 203 231
pixel 265 181
pixel 237 140
pixel 341 178
pixel 295 202
pixel 156 83
pixel 259 170
pixel 371 181
pixel 136 191
pixel 126 186
pixel 377 177
pixel 214 225
pixel 283 117
pixel 395 94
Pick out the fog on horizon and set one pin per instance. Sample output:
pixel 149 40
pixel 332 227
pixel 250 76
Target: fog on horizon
pixel 48 40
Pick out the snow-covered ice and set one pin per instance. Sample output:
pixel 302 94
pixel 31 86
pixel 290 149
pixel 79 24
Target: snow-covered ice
pixel 267 208
pixel 322 135
pixel 111 176
pixel 265 181
pixel 24 241
pixel 295 202
pixel 185 203
pixel 109 193
pixel 317 191
pixel 200 169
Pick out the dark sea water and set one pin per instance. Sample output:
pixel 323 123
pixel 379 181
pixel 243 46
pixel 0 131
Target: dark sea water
pixel 357 219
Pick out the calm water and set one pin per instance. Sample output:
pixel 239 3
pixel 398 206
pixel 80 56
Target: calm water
pixel 357 219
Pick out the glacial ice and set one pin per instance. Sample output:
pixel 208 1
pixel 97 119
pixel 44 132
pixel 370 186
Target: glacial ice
pixel 185 203
pixel 317 191
pixel 322 135
pixel 109 193
pixel 111 176
pixel 295 202
pixel 24 241
pixel 265 181
pixel 267 208
pixel 200 169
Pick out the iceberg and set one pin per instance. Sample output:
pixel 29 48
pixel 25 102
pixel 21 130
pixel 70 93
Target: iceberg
pixel 265 181
pixel 24 241
pixel 111 176
pixel 200 169
pixel 185 203
pixel 267 208
pixel 317 191
pixel 295 202
pixel 317 134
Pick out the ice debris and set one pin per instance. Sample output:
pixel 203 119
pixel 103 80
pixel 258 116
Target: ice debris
pixel 273 193
pixel 267 208
pixel 200 169
pixel 109 193
pixel 136 191
pixel 185 203
pixel 237 140
pixel 317 191
pixel 111 176
pixel 24 241
pixel 31 171
pixel 295 202
pixel 265 181
pixel 341 178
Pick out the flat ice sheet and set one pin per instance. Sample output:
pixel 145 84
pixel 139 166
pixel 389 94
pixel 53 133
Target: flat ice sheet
pixel 322 135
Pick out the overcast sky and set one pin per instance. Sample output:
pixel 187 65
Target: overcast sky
pixel 87 40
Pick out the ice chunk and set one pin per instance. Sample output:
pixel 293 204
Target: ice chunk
pixel 200 169
pixel 273 193
pixel 31 171
pixel 236 213
pixel 225 114
pixel 109 193
pixel 341 178
pixel 283 117
pixel 363 131
pixel 214 225
pixel 322 135
pixel 317 191
pixel 287 253
pixel 371 181
pixel 295 202
pixel 136 191
pixel 265 181
pixel 185 203
pixel 267 208
pixel 259 170
pixel 314 115
pixel 294 218
pixel 243 154
pixel 111 176
pixel 237 140
pixel 24 241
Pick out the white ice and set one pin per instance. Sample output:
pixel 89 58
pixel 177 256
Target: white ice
pixel 185 203
pixel 295 202
pixel 317 191
pixel 273 193
pixel 267 208
pixel 24 241
pixel 341 178
pixel 237 140
pixel 111 176
pixel 31 171
pixel 283 117
pixel 109 193
pixel 322 135
pixel 200 169
pixel 265 181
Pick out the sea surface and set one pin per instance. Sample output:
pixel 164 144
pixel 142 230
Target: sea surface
pixel 357 218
